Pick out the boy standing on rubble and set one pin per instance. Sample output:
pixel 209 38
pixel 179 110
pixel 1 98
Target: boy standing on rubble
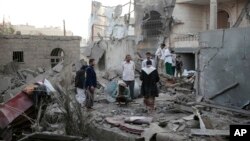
pixel 90 84
pixel 128 74
pixel 174 61
pixel 179 66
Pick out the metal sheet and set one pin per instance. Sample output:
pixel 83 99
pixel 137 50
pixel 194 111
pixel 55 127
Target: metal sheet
pixel 14 108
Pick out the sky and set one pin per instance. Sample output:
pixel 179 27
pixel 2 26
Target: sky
pixel 42 13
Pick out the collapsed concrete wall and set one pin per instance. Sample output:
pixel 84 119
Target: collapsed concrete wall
pixel 108 22
pixel 38 51
pixel 116 52
pixel 223 66
pixel 152 23
pixel 110 54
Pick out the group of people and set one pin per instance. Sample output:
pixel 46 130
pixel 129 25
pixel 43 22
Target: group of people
pixel 85 83
pixel 148 75
pixel 167 59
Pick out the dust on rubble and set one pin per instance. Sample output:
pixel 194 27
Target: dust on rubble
pixel 179 113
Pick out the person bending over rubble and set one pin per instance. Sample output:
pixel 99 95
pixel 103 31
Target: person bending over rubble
pixel 122 94
pixel 149 77
pixel 80 85
pixel 90 84
pixel 128 74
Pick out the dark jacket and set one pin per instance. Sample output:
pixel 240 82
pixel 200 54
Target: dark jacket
pixel 179 65
pixel 149 83
pixel 90 77
pixel 80 78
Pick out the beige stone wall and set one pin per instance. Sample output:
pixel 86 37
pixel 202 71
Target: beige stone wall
pixel 195 18
pixel 37 49
pixel 49 31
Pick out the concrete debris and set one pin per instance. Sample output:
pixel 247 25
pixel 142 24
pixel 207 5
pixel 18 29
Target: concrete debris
pixel 11 68
pixel 49 136
pixel 58 68
pixel 5 83
pixel 179 113
pixel 169 137
pixel 209 132
pixel 188 118
pixel 40 70
pixel 153 130
pixel 110 75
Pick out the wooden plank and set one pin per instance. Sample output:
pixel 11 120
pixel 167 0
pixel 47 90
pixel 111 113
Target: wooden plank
pixel 183 108
pixel 240 111
pixel 197 113
pixel 210 132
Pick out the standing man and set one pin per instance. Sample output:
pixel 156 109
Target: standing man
pixel 148 58
pixel 168 62
pixel 128 74
pixel 90 84
pixel 80 84
pixel 160 57
pixel 149 77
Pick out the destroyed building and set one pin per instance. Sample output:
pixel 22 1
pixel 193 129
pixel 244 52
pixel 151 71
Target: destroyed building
pixel 190 17
pixel 198 107
pixel 111 32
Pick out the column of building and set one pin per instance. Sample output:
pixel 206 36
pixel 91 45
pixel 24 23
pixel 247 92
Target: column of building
pixel 213 14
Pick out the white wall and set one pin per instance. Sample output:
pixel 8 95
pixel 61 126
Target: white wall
pixel 115 52
pixel 195 19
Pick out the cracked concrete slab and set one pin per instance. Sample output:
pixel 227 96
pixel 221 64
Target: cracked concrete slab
pixel 223 61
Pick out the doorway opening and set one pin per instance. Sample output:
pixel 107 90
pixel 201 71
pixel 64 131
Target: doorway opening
pixel 223 20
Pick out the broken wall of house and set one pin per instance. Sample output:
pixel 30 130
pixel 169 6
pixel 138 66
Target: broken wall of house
pixel 152 22
pixel 116 52
pixel 109 23
pixel 111 53
pixel 223 66
pixel 38 51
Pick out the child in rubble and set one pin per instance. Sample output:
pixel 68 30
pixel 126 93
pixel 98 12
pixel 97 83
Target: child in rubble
pixel 179 66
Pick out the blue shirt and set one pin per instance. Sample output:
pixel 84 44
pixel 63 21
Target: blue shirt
pixel 90 77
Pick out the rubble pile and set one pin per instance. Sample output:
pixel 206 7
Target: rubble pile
pixel 11 78
pixel 179 113
pixel 49 117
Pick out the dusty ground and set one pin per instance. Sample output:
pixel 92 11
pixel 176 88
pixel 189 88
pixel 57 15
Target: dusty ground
pixel 168 116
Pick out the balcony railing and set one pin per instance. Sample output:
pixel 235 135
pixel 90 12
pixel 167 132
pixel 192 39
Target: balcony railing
pixel 186 41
